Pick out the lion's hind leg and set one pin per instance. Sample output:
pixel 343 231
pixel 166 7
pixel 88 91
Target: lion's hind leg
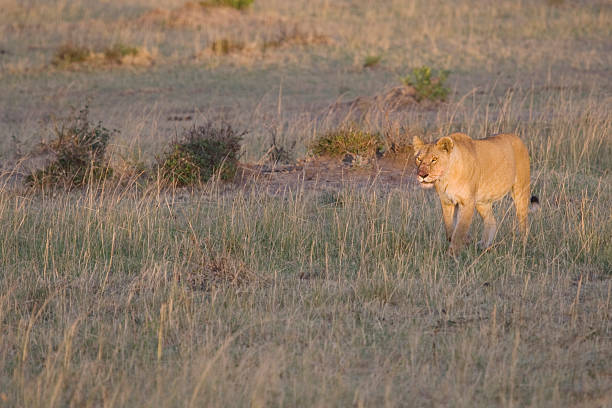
pixel 520 196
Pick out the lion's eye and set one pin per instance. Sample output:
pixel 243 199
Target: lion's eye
pixel 418 159
pixel 435 159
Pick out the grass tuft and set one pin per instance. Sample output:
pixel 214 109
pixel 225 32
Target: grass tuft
pixel 347 140
pixel 118 51
pixel 225 46
pixel 237 4
pixel 215 269
pixel 69 54
pixel 203 151
pixel 371 61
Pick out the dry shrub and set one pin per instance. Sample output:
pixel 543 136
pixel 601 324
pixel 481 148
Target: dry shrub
pixel 237 4
pixel 78 154
pixel 347 140
pixel 398 142
pixel 226 46
pixel 70 56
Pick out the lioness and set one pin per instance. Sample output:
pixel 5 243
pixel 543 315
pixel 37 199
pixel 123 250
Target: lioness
pixel 471 174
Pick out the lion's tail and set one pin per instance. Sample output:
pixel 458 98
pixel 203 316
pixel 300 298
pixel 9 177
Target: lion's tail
pixel 534 204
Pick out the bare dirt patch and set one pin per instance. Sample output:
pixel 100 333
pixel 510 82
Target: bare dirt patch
pixel 396 100
pixel 393 170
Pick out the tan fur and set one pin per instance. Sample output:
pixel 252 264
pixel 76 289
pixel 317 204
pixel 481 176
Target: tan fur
pixel 471 175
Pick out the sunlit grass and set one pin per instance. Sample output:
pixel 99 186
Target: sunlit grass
pixel 314 294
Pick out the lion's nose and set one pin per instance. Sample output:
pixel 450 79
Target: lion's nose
pixel 423 174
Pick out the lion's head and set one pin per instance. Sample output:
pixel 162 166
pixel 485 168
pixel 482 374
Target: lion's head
pixel 432 159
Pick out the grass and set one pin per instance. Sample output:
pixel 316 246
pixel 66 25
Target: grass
pixel 237 4
pixel 91 277
pixel 314 293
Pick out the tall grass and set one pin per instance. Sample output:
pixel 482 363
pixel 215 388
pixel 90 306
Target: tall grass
pixel 353 300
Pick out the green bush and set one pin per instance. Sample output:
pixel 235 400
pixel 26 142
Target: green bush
pixel 347 140
pixel 203 151
pixel 79 151
pixel 428 84
pixel 237 4
pixel 371 61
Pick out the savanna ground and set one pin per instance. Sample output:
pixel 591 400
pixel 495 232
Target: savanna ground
pixel 304 288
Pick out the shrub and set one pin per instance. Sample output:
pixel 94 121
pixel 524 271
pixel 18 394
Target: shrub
pixel 79 151
pixel 428 84
pixel 118 51
pixel 371 61
pixel 237 4
pixel 347 140
pixel 203 151
pixel 225 46
pixel 69 54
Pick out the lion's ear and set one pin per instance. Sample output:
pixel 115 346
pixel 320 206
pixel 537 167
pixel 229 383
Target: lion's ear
pixel 417 143
pixel 445 143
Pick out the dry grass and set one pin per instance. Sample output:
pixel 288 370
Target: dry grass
pixel 348 300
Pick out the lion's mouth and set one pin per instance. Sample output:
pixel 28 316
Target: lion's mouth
pixel 426 183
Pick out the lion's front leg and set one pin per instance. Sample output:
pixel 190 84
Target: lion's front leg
pixel 464 219
pixel 448 214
